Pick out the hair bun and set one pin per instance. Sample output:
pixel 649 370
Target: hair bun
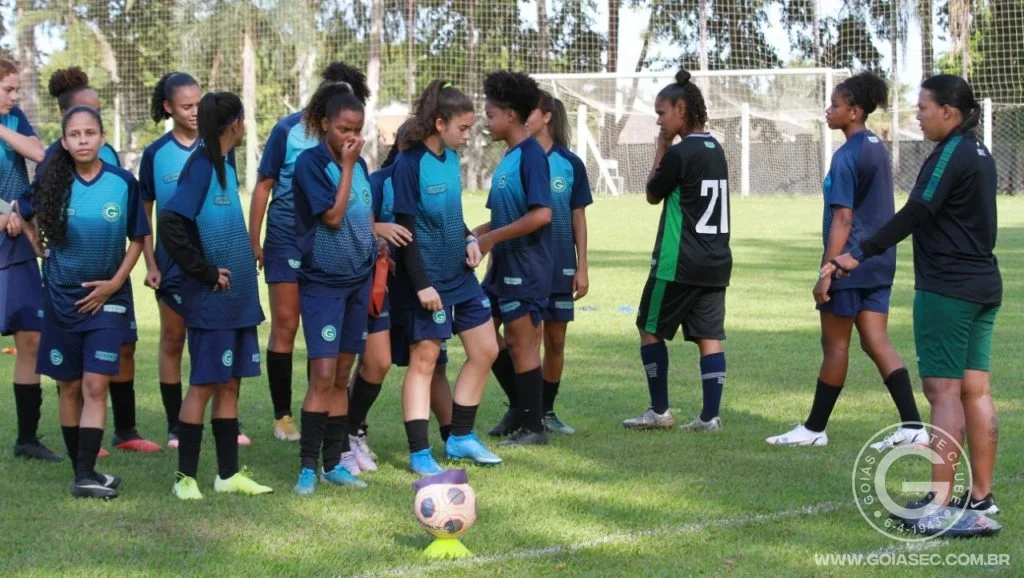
pixel 682 77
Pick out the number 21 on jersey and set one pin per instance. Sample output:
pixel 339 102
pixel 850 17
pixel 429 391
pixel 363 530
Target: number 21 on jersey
pixel 716 190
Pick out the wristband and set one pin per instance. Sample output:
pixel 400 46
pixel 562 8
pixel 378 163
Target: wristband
pixel 471 239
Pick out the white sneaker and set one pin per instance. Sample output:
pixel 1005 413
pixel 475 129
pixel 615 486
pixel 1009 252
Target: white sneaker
pixel 364 446
pixel 363 460
pixel 714 424
pixel 901 437
pixel 348 461
pixel 798 437
pixel 650 419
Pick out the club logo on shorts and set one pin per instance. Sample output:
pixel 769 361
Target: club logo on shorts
pixel 177 298
pixel 56 357
pixel 256 358
pixel 440 317
pixel 228 358
pixel 510 306
pixel 294 263
pixel 329 333
pixel 111 212
pixel 486 302
pixel 558 185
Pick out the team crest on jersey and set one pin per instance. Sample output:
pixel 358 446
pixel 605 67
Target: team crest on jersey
pixel 440 317
pixel 502 180
pixel 366 196
pixel 228 358
pixel 329 333
pixel 56 357
pixel 437 189
pixel 111 212
pixel 294 263
pixel 558 185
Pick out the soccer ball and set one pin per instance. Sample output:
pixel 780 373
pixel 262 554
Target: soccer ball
pixel 445 510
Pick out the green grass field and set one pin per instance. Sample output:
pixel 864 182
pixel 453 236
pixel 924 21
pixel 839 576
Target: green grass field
pixel 605 502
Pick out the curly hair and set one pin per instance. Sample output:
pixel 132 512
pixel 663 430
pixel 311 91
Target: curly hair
pixel 439 100
pixel 688 92
pixel 330 99
pixel 864 90
pixel 65 83
pixel 513 91
pixel 342 72
pixel 51 193
pixel 164 90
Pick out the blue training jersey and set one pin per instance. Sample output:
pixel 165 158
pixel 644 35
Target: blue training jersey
pixel 383 190
pixel 13 183
pixel 570 190
pixel 162 162
pixel 332 259
pixel 429 187
pixel 520 268
pixel 287 140
pixel 101 214
pixel 861 179
pixel 217 214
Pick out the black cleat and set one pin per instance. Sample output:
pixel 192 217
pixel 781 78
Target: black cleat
pixel 525 437
pixel 112 482
pixel 509 423
pixel 986 505
pixel 93 488
pixel 35 450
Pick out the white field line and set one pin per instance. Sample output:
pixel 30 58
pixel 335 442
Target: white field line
pixel 620 538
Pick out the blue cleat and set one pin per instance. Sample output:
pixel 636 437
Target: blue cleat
pixel 340 476
pixel 307 482
pixel 468 447
pixel 422 464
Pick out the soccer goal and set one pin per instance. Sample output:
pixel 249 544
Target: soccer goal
pixel 771 124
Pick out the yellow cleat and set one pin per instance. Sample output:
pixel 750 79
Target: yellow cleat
pixel 240 483
pixel 186 488
pixel 285 430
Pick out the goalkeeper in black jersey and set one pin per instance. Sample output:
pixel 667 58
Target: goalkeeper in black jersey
pixel 692 262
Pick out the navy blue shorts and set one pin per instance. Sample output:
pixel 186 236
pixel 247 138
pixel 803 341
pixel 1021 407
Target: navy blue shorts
pixel 560 307
pixel 280 266
pixel 401 341
pixel 66 355
pixel 382 323
pixel 508 310
pixel 451 320
pixel 850 302
pixel 131 335
pixel 172 294
pixel 220 355
pixel 21 298
pixel 335 325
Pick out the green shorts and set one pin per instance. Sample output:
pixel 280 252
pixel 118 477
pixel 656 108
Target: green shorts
pixel 952 335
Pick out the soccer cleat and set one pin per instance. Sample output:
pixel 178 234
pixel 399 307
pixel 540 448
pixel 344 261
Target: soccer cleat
pixel 285 430
pixel 240 483
pixel 916 505
pixel 555 425
pixel 113 482
pixel 339 476
pixel 714 424
pixel 131 441
pixel 35 450
pixel 186 488
pixel 901 437
pixel 650 419
pixel 243 440
pixel 799 436
pixel 525 437
pixel 364 446
pixel 103 453
pixel 422 464
pixel 949 524
pixel 307 482
pixel 509 423
pixel 986 505
pixel 348 461
pixel 172 440
pixel 363 459
pixel 92 488
pixel 468 447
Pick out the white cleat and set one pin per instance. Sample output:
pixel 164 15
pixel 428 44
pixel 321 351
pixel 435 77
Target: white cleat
pixel 363 460
pixel 799 436
pixel 714 424
pixel 650 419
pixel 902 437
pixel 348 461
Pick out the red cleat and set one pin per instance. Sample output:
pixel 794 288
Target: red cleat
pixel 133 442
pixel 103 453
